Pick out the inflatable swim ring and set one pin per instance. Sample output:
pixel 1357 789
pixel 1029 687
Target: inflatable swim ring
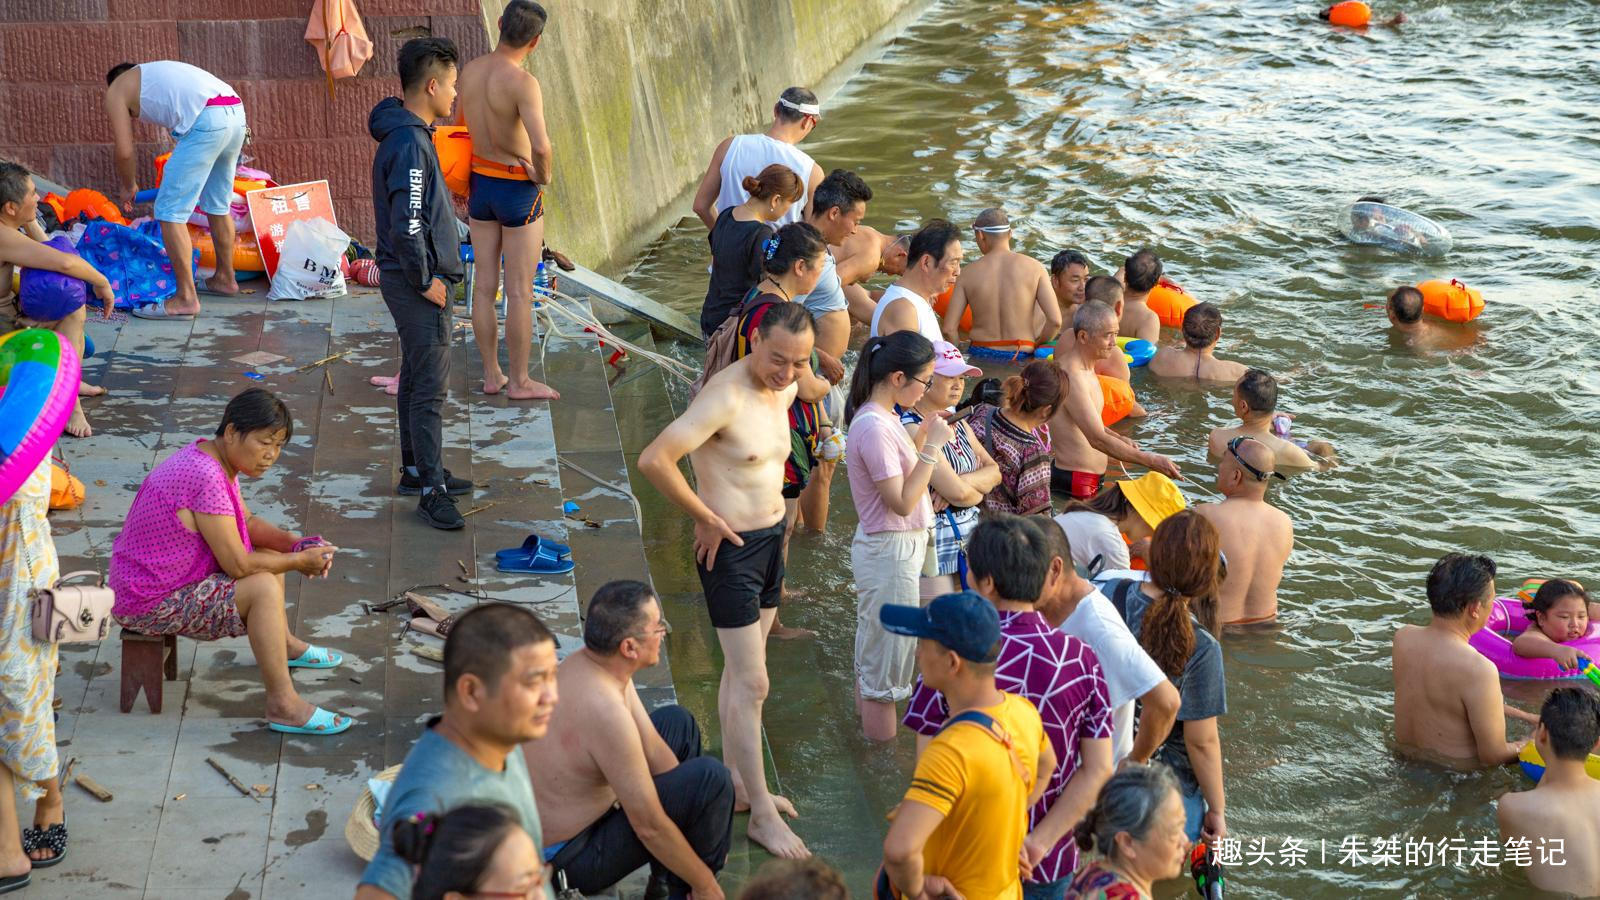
pixel 48 296
pixel 1118 399
pixel 1507 619
pixel 454 147
pixel 38 385
pixel 1170 301
pixel 246 254
pixel 942 303
pixel 1450 300
pixel 1136 351
pixel 1350 13
pixel 1533 764
pixel 92 205
pixel 1393 228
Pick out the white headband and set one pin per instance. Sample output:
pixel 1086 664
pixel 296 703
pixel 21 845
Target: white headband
pixel 993 229
pixel 806 109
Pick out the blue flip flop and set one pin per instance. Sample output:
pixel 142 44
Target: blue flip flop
pixel 321 722
pixel 538 563
pixel 316 658
pixel 535 544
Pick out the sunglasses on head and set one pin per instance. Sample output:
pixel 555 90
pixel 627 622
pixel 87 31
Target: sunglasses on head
pixel 1233 448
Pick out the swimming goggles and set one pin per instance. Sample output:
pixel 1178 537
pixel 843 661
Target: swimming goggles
pixel 1233 448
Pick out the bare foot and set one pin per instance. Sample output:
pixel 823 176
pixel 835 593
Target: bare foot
pixel 383 380
pixel 774 834
pixel 532 390
pixel 215 285
pixel 43 817
pixel 85 389
pixel 782 632
pixel 500 384
pixel 78 426
pixel 297 712
pixel 393 390
pixel 741 803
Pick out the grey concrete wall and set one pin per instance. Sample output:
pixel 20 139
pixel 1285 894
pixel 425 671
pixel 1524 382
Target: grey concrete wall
pixel 637 93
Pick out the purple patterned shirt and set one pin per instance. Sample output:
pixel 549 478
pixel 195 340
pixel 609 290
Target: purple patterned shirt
pixel 1060 675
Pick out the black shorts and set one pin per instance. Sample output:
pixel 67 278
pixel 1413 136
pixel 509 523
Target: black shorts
pixel 512 202
pixel 745 580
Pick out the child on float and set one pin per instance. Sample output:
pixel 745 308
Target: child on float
pixel 1560 613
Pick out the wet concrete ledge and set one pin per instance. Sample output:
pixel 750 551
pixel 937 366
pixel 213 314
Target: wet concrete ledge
pixel 176 828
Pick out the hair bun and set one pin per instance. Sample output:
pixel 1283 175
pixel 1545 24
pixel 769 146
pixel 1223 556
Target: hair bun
pixel 412 836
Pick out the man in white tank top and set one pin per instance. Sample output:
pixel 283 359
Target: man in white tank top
pixel 932 264
pixel 793 117
pixel 205 116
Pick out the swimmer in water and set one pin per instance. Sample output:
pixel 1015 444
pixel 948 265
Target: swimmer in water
pixel 1141 273
pixel 1202 329
pixel 1105 290
pixel 1069 275
pixel 1404 308
pixel 1564 809
pixel 1255 402
pixel 1559 614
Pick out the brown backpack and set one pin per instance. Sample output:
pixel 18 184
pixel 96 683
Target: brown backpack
pixel 722 348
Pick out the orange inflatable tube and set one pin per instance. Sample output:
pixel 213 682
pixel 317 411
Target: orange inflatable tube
pixel 1350 13
pixel 1170 301
pixel 942 303
pixel 454 147
pixel 246 255
pixel 1118 399
pixel 91 203
pixel 1450 300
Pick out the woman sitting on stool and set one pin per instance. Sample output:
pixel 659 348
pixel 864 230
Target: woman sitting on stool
pixel 192 561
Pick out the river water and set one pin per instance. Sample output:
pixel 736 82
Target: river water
pixel 1231 135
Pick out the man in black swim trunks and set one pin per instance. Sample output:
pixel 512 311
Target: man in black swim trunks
pixel 511 164
pixel 736 434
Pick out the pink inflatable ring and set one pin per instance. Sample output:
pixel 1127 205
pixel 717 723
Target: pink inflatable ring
pixel 38 386
pixel 1507 619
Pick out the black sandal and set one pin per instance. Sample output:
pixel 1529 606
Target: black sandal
pixel 52 838
pixel 15 882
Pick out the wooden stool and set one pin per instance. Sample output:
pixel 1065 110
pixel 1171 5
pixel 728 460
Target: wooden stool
pixel 147 659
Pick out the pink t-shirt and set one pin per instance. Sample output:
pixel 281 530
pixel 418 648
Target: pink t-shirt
pixel 879 448
pixel 154 554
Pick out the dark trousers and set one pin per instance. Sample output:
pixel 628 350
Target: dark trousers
pixel 424 331
pixel 697 795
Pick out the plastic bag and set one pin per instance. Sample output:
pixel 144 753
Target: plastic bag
pixel 308 264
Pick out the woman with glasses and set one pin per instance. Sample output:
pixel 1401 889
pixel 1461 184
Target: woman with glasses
pixel 470 852
pixel 889 476
pixel 961 478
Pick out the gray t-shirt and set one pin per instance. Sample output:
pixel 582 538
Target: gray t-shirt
pixel 437 777
pixel 1202 690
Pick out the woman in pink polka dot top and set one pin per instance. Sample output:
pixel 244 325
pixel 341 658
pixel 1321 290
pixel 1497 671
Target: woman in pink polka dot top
pixel 191 560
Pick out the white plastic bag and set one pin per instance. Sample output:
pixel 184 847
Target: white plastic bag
pixel 308 265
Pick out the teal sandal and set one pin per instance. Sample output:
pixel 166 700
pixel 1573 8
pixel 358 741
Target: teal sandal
pixel 321 722
pixel 316 658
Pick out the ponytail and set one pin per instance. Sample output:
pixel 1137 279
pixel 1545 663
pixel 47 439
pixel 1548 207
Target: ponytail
pixel 776 180
pixel 1037 387
pixel 1185 566
pixel 792 243
pixel 903 351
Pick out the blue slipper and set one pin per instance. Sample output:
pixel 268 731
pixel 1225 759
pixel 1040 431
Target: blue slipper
pixel 316 658
pixel 538 563
pixel 321 722
pixel 535 544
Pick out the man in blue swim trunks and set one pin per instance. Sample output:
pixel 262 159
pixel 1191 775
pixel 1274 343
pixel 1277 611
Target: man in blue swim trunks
pixel 503 108
pixel 206 117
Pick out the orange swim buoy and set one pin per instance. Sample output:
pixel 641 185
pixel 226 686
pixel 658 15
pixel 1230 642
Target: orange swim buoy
pixel 1169 301
pixel 92 204
pixel 246 254
pixel 454 147
pixel 1118 399
pixel 1350 13
pixel 1450 300
pixel 942 303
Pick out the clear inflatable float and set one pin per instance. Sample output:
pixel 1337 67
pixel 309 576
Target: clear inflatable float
pixel 1393 228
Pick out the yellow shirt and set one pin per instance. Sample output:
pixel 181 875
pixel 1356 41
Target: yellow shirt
pixel 968 775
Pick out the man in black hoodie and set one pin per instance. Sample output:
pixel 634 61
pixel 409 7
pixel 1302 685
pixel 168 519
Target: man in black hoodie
pixel 419 260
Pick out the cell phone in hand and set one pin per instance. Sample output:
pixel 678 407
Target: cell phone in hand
pixel 958 416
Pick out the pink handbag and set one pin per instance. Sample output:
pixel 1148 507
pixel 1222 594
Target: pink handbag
pixel 72 614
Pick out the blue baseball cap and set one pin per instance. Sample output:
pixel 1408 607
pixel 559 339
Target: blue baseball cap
pixel 964 622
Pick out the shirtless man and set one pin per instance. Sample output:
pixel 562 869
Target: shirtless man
pixel 793 117
pixel 1256 536
pixel 736 434
pixel 503 108
pixel 933 263
pixel 1255 401
pixel 1069 275
pixel 617 787
pixel 1106 290
pixel 1202 329
pixel 1447 699
pixel 1141 272
pixel 838 205
pixel 1008 292
pixel 869 253
pixel 21 247
pixel 1404 308
pixel 1565 805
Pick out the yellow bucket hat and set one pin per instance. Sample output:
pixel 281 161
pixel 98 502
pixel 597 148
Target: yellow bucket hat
pixel 1154 496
